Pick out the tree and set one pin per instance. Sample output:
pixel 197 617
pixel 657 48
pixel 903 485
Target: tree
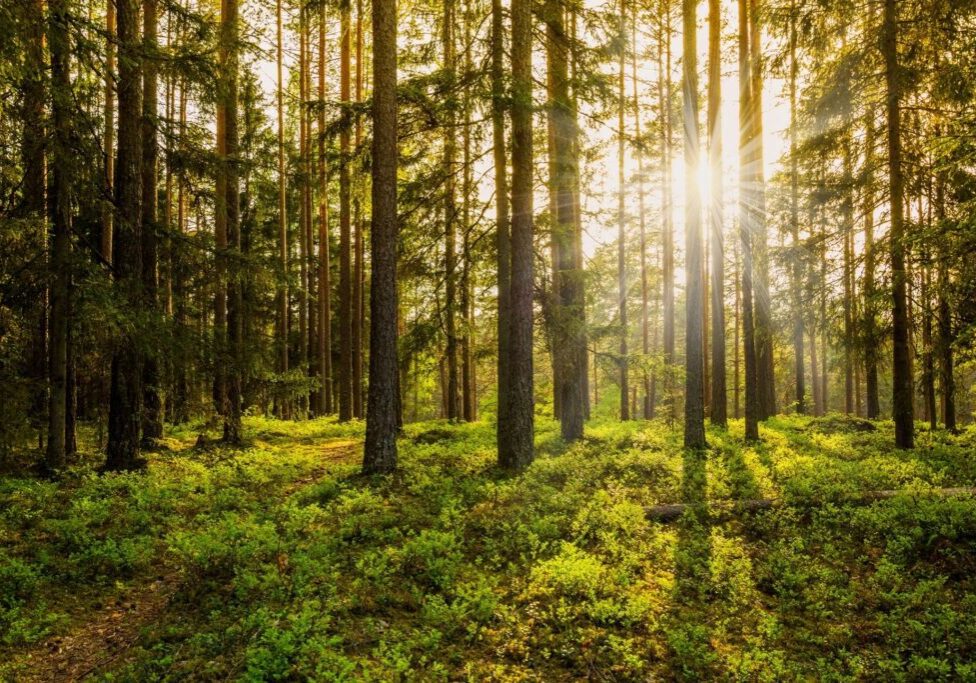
pixel 324 284
pixel 502 218
pixel 694 351
pixel 281 330
pixel 623 359
pixel 380 451
pixel 345 227
pixel 450 217
pixel 902 409
pixel 515 449
pixel 719 398
pixel 125 406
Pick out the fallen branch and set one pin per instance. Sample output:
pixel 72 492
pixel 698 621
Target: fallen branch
pixel 729 507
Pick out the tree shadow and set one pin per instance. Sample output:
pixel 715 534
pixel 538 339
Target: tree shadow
pixel 689 622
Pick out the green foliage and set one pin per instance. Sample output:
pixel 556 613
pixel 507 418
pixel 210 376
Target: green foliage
pixel 288 565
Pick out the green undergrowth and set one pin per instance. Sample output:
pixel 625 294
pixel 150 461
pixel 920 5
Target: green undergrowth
pixel 292 566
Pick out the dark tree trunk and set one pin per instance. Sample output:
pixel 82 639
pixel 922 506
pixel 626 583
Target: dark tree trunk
pixel 324 286
pixel 719 402
pixel 58 35
pixel 108 139
pixel 125 405
pixel 359 272
pixel 502 223
pixel 746 230
pixel 569 338
pixel 946 332
pixel 667 221
pixel 694 350
pixel 345 231
pixel 384 407
pixel 152 406
pixel 624 356
pixel 281 322
pixel 796 272
pixel 235 287
pixel 450 219
pixel 869 309
pixel 902 409
pixel 516 447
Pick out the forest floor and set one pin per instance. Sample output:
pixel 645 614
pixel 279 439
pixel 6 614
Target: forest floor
pixel 278 561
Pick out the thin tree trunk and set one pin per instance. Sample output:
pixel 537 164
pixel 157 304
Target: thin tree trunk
pixel 468 399
pixel 231 208
pixel 125 405
pixel 345 241
pixel 624 359
pixel 667 227
pixel 796 264
pixel 569 340
pixel 502 222
pixel 304 218
pixel 719 397
pixel 647 408
pixel 694 263
pixel 450 217
pixel 946 332
pixel 868 282
pixel 58 35
pixel 516 446
pixel 848 227
pixel 152 405
pixel 325 301
pixel 383 409
pixel 281 403
pixel 746 228
pixel 359 273
pixel 902 409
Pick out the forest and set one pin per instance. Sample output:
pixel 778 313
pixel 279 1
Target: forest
pixel 487 340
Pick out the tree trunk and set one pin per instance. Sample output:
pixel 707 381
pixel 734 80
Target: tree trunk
pixel 694 337
pixel 281 331
pixel 345 245
pixel 569 338
pixel 902 410
pixel 359 273
pixel 450 217
pixel 125 405
pixel 848 227
pixel 304 205
pixel 667 221
pixel 468 389
pixel 946 332
pixel 719 402
pixel 869 310
pixel 152 405
pixel 59 39
pixel 383 409
pixel 746 229
pixel 516 447
pixel 624 359
pixel 230 168
pixel 647 408
pixel 502 222
pixel 108 139
pixel 796 263
pixel 325 302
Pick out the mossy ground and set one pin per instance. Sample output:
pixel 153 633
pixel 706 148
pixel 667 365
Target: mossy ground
pixel 285 564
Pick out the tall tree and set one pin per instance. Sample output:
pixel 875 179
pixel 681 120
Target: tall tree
pixel 902 409
pixel 515 449
pixel 125 404
pixel 502 220
pixel 869 308
pixel 624 359
pixel 359 272
pixel 345 219
pixel 108 135
pixel 694 335
pixel 569 339
pixel 746 229
pixel 450 216
pixel 648 401
pixel 281 331
pixel 667 219
pixel 230 163
pixel 59 38
pixel 796 264
pixel 719 398
pixel 324 289
pixel 152 405
pixel 380 451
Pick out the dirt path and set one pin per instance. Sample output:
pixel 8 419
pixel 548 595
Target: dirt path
pixel 106 636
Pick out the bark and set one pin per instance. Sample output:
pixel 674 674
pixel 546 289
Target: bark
pixel 667 221
pixel 516 447
pixel 450 216
pixel 230 163
pixel 359 273
pixel 796 265
pixel 383 408
pixel 902 409
pixel 624 358
pixel 152 405
pixel 125 404
pixel 468 388
pixel 324 286
pixel 946 330
pixel 569 339
pixel 108 136
pixel 694 337
pixel 304 205
pixel 746 230
pixel 502 219
pixel 281 332
pixel 719 393
pixel 647 408
pixel 848 227
pixel 345 236
pixel 61 189
pixel 869 309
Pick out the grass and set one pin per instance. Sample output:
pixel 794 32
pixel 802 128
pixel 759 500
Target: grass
pixel 288 565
